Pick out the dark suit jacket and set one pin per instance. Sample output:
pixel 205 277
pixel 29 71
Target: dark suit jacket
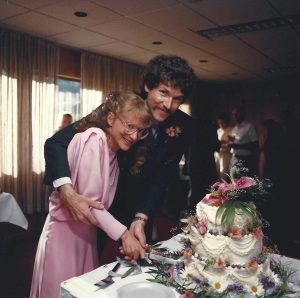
pixel 142 191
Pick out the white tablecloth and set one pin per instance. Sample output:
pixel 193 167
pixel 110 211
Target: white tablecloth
pixel 83 286
pixel 11 212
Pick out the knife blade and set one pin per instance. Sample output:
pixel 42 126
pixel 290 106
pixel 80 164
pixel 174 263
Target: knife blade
pixel 128 272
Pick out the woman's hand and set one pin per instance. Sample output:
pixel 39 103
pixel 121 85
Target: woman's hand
pixel 131 247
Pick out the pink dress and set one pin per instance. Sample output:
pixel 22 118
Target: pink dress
pixel 68 248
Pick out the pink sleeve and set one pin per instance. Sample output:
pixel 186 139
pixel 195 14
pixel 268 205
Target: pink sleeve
pixel 89 164
pixel 106 222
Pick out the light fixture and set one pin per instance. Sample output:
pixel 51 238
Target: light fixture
pixel 80 14
pixel 250 27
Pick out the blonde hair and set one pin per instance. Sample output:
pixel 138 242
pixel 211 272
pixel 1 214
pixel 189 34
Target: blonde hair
pixel 116 102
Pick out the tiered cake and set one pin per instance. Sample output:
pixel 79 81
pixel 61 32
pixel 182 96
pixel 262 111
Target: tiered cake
pixel 224 246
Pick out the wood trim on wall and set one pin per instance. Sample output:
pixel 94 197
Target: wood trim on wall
pixel 69 63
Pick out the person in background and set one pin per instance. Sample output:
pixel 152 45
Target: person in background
pixel 244 141
pixel 223 156
pixel 145 169
pixel 68 248
pixel 65 120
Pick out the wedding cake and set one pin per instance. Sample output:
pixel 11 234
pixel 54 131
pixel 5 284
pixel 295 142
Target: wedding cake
pixel 224 254
pixel 226 241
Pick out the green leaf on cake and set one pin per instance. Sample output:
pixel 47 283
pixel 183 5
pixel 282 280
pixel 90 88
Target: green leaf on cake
pixel 229 209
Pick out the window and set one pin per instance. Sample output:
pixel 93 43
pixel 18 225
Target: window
pixel 68 98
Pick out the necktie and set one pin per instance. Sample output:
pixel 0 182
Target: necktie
pixel 155 131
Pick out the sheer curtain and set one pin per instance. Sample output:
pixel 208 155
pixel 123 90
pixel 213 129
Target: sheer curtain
pixel 28 68
pixel 100 74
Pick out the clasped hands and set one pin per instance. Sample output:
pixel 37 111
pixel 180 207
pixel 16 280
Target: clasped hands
pixel 133 240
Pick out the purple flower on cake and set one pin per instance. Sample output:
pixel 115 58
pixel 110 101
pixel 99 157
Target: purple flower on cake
pixel 235 288
pixel 267 282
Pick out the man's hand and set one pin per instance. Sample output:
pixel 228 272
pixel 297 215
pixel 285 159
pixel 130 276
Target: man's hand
pixel 131 247
pixel 137 228
pixel 78 205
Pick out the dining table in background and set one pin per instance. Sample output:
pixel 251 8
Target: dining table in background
pixel 11 212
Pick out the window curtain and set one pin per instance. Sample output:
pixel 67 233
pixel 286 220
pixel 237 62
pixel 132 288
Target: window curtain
pixel 101 74
pixel 28 68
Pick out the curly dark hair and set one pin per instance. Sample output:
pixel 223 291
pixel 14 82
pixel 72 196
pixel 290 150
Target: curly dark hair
pixel 170 70
pixel 116 102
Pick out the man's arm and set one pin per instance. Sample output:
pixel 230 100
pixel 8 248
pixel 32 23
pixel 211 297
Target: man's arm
pixel 55 152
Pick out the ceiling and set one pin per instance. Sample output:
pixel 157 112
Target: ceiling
pixel 125 29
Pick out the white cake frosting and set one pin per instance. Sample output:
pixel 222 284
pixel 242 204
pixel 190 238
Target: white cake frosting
pixel 233 251
pixel 237 256
pixel 203 210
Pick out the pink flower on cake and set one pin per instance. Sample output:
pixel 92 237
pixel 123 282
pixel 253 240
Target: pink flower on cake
pixel 220 264
pixel 187 255
pixel 187 294
pixel 236 233
pixel 202 225
pixel 243 182
pixel 258 234
pixel 170 271
pixel 212 200
pixel 173 131
pixel 252 265
pixel 202 229
pixel 223 187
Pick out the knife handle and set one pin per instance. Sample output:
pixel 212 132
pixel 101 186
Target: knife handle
pixel 115 269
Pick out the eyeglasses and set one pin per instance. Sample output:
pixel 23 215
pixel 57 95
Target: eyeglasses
pixel 142 133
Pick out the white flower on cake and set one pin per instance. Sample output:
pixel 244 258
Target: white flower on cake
pixel 219 284
pixel 256 289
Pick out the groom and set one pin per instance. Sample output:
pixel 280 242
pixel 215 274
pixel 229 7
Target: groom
pixel 146 169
